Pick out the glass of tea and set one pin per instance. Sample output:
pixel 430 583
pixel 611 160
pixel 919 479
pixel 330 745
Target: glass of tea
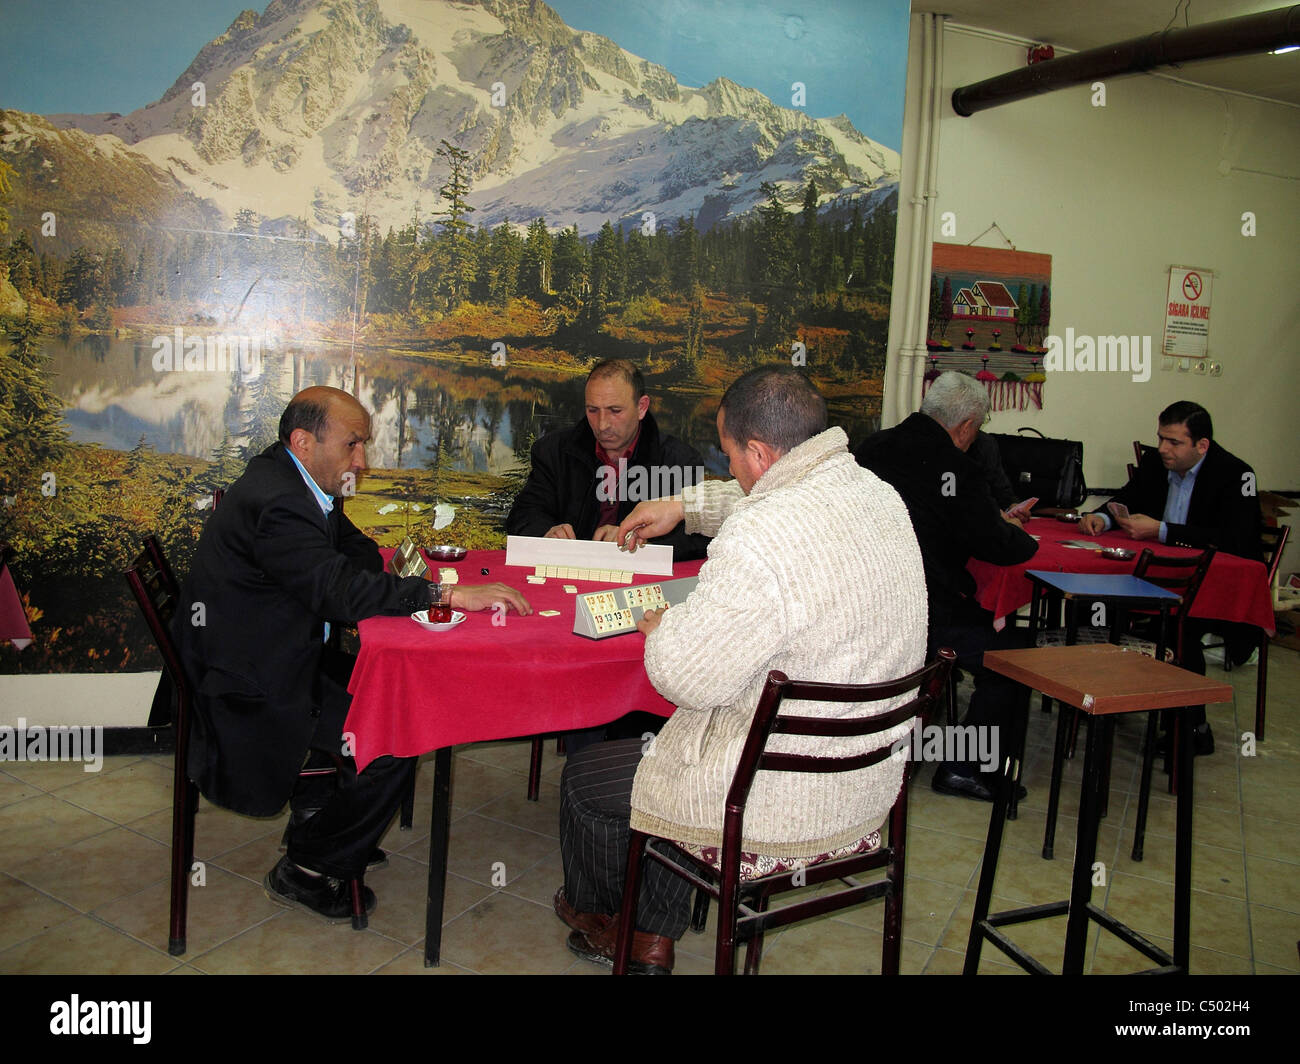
pixel 440 611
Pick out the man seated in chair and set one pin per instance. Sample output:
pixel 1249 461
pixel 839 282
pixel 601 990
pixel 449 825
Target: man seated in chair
pixel 277 564
pixel 956 519
pixel 813 570
pixel 1204 496
pixel 587 478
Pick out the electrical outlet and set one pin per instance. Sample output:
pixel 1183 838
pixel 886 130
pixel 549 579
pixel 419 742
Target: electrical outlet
pixel 1184 364
pixel 1167 363
pixel 1216 369
pixel 1200 367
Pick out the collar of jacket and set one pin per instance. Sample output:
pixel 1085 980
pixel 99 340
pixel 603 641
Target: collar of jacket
pixel 798 462
pixel 582 443
pixel 279 454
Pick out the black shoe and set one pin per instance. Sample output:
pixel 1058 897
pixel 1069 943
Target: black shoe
pixel 1202 742
pixel 948 782
pixel 325 896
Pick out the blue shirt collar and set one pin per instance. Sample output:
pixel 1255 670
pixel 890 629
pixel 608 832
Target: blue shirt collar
pixel 325 502
pixel 1176 479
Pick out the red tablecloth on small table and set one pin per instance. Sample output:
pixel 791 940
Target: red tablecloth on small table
pixel 1234 589
pixel 13 619
pixel 414 690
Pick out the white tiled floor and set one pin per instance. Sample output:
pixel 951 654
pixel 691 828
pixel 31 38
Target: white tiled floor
pixel 83 867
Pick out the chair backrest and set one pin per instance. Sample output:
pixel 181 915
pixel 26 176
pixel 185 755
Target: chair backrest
pixel 1273 543
pixel 154 585
pixel 928 683
pixel 1140 449
pixel 1182 574
pixel 1132 470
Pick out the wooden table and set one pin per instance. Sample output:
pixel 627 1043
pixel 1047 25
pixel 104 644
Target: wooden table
pixel 1115 589
pixel 1101 681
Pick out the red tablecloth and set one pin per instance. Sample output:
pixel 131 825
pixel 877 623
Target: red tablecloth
pixel 1234 589
pixel 13 619
pixel 414 691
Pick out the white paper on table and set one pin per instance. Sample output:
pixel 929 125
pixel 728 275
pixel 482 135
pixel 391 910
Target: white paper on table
pixel 653 559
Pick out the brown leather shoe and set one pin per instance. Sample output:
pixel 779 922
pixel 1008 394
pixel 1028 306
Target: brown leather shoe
pixel 651 954
pixel 579 921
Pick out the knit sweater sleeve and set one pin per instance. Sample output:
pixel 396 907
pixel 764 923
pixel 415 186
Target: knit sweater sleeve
pixel 737 605
pixel 708 504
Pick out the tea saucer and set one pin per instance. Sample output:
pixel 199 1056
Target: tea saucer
pixel 422 619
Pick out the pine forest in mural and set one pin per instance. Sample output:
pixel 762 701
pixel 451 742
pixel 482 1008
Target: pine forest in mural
pixel 449 209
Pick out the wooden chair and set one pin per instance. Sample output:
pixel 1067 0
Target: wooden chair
pixel 742 893
pixel 1272 544
pixel 1179 574
pixel 155 589
pixel 1141 449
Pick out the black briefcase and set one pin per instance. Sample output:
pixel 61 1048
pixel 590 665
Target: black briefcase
pixel 1050 469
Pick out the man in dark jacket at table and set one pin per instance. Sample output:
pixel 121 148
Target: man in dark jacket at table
pixel 955 519
pixel 587 478
pixel 277 564
pixel 1204 496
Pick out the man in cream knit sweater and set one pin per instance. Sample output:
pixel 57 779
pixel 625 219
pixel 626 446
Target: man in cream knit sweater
pixel 813 570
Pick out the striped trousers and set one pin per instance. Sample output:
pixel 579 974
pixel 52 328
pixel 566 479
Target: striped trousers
pixel 595 806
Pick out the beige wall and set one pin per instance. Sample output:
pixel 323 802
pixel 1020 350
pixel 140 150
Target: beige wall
pixel 1116 195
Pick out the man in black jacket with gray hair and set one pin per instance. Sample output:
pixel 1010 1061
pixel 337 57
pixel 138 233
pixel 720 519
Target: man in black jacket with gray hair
pixel 955 519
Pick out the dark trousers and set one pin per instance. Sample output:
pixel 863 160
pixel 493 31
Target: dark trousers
pixel 969 631
pixel 595 806
pixel 352 810
pixel 636 723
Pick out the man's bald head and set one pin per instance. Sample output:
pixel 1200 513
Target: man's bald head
pixel 327 429
pixel 311 408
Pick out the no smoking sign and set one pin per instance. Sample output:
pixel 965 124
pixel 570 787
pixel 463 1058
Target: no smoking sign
pixel 1187 313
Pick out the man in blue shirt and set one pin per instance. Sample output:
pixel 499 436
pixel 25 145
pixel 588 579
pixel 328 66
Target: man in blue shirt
pixel 1190 493
pixel 278 562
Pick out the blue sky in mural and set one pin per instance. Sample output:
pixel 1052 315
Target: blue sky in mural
pixel 87 56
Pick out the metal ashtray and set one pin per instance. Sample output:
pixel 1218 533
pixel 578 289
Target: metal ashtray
pixel 445 552
pixel 1118 553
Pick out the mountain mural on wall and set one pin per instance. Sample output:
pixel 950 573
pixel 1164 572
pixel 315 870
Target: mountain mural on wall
pixel 450 209
pixel 320 107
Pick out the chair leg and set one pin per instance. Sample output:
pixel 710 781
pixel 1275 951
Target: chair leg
pixel 700 912
pixel 724 955
pixel 636 843
pixel 185 802
pixel 359 917
pixel 535 769
pixel 1261 686
pixel 892 948
pixel 754 947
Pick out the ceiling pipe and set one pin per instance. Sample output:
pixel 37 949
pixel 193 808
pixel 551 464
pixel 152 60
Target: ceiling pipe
pixel 1248 34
